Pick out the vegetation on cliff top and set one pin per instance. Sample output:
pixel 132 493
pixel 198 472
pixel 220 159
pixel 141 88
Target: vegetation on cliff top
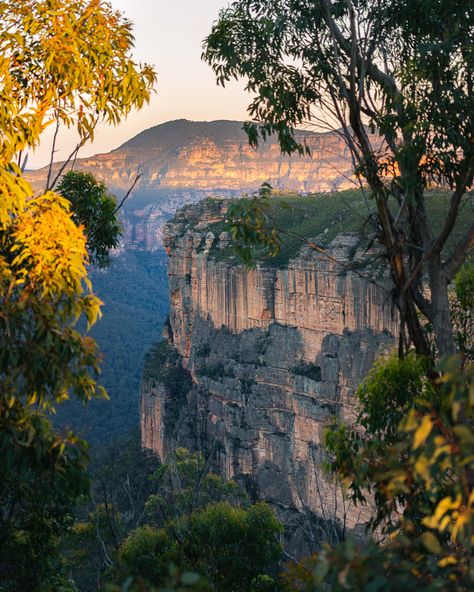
pixel 320 216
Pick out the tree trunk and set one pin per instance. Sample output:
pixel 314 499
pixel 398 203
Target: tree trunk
pixel 441 315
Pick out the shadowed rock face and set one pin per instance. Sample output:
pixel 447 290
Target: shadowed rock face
pixel 274 355
pixel 216 155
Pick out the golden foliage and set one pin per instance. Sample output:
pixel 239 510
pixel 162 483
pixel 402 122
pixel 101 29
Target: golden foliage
pixel 69 62
pixel 64 61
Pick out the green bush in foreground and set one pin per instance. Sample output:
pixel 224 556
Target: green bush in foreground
pixel 230 547
pixel 416 460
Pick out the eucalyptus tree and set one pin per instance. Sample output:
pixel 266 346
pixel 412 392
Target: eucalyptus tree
pixel 67 61
pixel 399 68
pixel 96 208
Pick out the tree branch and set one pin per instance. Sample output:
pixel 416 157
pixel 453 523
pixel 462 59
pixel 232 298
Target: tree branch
pixel 438 244
pixel 127 195
pixel 53 150
pixel 385 80
pixel 73 154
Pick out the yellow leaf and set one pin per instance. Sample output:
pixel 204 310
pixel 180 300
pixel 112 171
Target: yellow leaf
pixel 462 520
pixel 422 432
pixel 449 560
pixel 431 542
pixel 471 498
pixel 444 506
pixel 422 468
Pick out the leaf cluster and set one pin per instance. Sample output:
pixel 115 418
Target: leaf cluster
pixel 184 484
pixel 42 473
pixel 249 225
pixel 462 311
pixel 67 61
pixel 415 460
pixel 95 209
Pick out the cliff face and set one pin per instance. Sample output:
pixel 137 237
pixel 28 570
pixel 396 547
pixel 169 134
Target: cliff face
pixel 273 354
pixel 216 155
pixel 143 220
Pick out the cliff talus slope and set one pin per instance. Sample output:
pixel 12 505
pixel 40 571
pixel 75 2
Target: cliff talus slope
pixel 272 355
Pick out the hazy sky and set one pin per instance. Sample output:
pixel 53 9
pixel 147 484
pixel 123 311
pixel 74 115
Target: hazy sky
pixel 168 34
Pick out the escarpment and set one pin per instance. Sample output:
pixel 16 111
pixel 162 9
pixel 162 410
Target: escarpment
pixel 179 162
pixel 257 362
pixel 216 155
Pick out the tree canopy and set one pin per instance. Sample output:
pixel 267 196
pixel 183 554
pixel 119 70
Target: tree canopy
pixel 67 61
pixel 96 209
pixel 148 524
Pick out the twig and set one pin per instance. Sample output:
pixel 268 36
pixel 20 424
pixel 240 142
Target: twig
pixel 73 155
pixel 137 177
pixel 53 150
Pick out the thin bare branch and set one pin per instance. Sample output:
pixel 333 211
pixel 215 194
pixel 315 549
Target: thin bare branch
pixel 127 195
pixel 53 151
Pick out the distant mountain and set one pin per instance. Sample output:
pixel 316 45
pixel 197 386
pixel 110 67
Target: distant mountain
pixel 210 156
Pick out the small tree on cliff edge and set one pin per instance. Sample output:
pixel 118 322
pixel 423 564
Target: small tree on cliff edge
pixel 403 68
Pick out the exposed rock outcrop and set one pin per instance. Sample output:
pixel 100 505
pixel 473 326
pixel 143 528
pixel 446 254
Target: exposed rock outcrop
pixel 273 355
pixel 216 155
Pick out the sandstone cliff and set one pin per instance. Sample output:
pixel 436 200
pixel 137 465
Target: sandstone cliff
pixel 272 355
pixel 216 155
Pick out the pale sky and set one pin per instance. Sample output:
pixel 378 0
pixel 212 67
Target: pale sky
pixel 169 35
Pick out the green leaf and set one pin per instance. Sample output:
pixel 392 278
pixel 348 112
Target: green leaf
pixel 430 542
pixel 464 433
pixel 190 578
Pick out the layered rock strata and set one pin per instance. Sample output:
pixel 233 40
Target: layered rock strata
pixel 216 155
pixel 273 355
pixel 182 161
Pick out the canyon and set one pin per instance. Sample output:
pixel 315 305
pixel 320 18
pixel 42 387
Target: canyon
pixel 256 363
pixel 180 162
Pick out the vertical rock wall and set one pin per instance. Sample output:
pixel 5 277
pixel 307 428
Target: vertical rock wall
pixel 274 355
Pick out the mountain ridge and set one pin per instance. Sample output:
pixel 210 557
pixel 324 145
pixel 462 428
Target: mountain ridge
pixel 216 155
pixel 213 128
